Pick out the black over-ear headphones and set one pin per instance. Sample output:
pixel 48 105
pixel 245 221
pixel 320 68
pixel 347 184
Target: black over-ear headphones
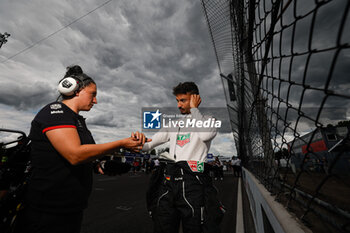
pixel 72 83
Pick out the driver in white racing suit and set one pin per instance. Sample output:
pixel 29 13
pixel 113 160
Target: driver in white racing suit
pixel 181 189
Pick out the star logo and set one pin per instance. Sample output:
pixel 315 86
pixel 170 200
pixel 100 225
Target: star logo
pixel 156 115
pixel 152 120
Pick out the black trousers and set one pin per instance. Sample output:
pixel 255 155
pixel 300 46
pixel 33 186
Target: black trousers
pixel 33 221
pixel 219 172
pixel 237 170
pixel 176 194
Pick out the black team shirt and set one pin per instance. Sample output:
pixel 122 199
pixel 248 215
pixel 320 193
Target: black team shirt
pixel 56 186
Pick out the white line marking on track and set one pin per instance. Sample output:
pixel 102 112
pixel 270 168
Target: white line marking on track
pixel 239 217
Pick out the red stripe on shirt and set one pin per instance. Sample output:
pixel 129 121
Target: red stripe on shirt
pixel 58 127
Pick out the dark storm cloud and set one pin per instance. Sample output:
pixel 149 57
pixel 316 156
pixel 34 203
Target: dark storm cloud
pixel 26 97
pixel 160 54
pixel 111 56
pixel 169 47
pixel 105 119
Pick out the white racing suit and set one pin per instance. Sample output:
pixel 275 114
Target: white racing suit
pixel 181 188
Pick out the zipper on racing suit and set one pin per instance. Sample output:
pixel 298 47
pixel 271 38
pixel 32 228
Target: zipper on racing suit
pixel 162 197
pixel 202 207
pixel 183 194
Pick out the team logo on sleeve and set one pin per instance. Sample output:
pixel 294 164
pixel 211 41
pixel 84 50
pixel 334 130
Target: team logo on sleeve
pixel 152 120
pixel 55 106
pixel 183 139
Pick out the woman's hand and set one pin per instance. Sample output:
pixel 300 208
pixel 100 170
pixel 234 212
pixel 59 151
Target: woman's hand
pixel 136 141
pixel 132 143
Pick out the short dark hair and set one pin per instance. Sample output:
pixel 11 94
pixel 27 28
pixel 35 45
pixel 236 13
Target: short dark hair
pixel 186 87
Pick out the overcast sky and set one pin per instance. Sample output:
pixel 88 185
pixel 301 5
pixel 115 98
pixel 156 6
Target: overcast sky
pixel 135 50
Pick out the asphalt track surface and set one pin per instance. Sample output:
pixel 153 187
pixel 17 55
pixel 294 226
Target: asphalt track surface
pixel 118 204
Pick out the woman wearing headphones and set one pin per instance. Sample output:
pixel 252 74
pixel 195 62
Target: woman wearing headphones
pixel 61 154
